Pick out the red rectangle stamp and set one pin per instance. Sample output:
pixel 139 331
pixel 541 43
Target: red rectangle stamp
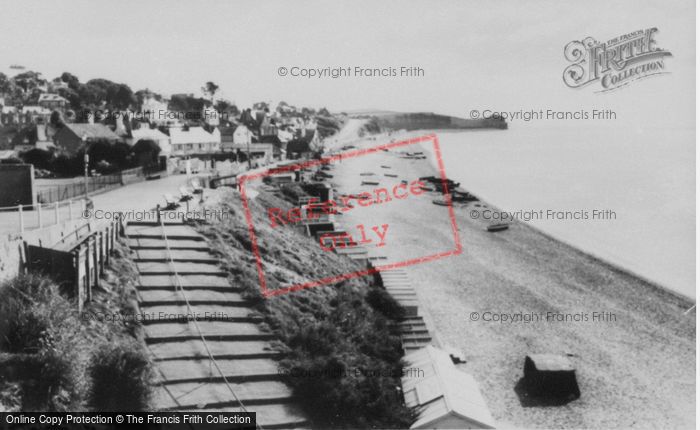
pixel 317 213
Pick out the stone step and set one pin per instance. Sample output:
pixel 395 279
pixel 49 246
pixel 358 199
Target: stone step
pixel 393 273
pixel 400 281
pixel 401 290
pixel 416 337
pixel 174 255
pixel 193 349
pixel 154 231
pixel 204 370
pixel 211 330
pixel 189 395
pixel 154 297
pixel 209 312
pixel 182 268
pixel 414 347
pixel 145 243
pixel 410 306
pixel 214 281
pixel 414 330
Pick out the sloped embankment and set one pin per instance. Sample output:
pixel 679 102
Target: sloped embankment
pixel 342 347
pixel 54 359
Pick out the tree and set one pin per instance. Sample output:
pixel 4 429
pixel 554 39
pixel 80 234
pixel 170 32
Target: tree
pixel 225 106
pixel 209 89
pixel 116 96
pixel 28 80
pixel 72 96
pixel 56 119
pixel 188 103
pixel 70 79
pixel 5 84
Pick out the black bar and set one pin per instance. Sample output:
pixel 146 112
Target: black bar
pixel 123 420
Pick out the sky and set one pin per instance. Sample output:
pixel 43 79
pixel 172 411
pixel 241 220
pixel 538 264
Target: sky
pixel 502 55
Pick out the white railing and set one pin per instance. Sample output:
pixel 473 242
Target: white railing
pixel 22 218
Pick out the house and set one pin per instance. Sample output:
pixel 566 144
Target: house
pixel 34 114
pixel 156 112
pixel 226 137
pixel 304 146
pixel 38 136
pixel 193 140
pixel 266 151
pixel 52 101
pixel 152 134
pixel 244 141
pixel 267 128
pixel 44 136
pixel 9 115
pixel 71 137
pixel 242 136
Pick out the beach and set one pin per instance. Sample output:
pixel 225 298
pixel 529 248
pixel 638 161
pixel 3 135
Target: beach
pixel 642 179
pixel 519 292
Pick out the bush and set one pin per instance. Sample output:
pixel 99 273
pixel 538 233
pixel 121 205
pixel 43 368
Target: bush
pixel 120 378
pixel 380 300
pixel 26 312
pixel 52 381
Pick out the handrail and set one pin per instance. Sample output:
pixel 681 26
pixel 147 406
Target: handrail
pixel 177 402
pixel 194 320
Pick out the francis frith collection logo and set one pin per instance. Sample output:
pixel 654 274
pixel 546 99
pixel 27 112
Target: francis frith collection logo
pixel 615 63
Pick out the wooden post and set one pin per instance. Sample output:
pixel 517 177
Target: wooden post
pixel 56 209
pixel 39 213
pixel 21 220
pixel 76 275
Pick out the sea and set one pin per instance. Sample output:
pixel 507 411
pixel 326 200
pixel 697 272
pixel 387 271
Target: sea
pixel 625 197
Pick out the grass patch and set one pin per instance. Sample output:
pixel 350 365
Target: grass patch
pixel 120 375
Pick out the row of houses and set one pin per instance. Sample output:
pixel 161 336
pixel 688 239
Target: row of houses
pixel 179 141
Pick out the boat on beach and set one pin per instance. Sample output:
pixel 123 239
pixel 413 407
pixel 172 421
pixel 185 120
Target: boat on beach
pixel 497 227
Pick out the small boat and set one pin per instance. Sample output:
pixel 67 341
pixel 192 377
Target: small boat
pixel 370 183
pixel 390 175
pixel 366 174
pixel 427 188
pixel 497 227
pixel 386 167
pixel 440 202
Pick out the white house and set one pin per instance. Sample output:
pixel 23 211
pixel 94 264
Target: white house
pixel 193 140
pixel 242 135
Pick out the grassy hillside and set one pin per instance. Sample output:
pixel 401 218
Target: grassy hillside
pixel 335 335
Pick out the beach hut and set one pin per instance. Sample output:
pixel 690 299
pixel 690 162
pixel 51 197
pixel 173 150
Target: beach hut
pixel 445 397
